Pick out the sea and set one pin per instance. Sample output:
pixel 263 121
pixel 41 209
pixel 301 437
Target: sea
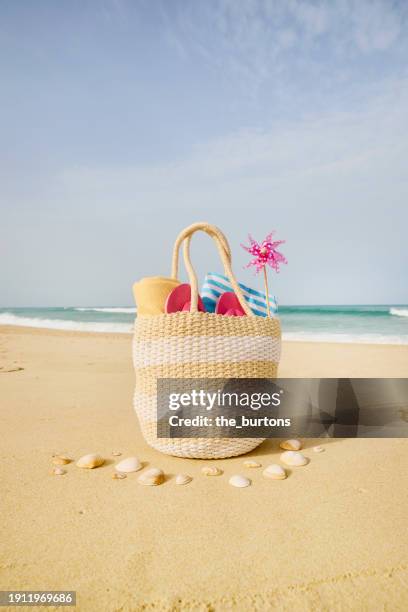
pixel 360 324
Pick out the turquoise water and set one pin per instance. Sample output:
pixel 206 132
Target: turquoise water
pixel 368 324
pixel 379 324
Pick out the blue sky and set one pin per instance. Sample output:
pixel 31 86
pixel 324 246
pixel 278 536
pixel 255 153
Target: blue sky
pixel 124 121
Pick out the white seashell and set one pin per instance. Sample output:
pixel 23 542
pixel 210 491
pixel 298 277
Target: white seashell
pixel 182 479
pixel 131 464
pixel 293 458
pixel 57 471
pixel 250 463
pixel 152 477
pixel 318 449
pixel 275 471
pixel 211 471
pixel 239 481
pixel 61 460
pixel 116 453
pixel 118 476
pixel 292 445
pixel 90 461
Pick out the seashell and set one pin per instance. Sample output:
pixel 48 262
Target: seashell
pixel 239 481
pixel 211 471
pixel 131 464
pixel 57 471
pixel 152 477
pixel 250 463
pixel 116 453
pixel 318 449
pixel 275 471
pixel 293 458
pixel 61 460
pixel 118 476
pixel 182 479
pixel 292 445
pixel 90 461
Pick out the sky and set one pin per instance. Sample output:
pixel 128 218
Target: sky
pixel 123 121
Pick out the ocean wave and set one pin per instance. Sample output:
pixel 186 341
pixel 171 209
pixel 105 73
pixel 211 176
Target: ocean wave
pixel 399 312
pixel 116 310
pixel 7 318
pixel 361 311
pixel 344 338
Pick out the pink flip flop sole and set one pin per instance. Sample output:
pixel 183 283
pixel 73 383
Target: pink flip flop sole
pixel 228 304
pixel 179 300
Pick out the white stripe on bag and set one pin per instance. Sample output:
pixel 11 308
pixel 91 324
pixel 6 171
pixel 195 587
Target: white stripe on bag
pixel 199 349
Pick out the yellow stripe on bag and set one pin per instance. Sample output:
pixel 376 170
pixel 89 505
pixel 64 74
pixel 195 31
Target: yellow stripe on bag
pixel 204 324
pixel 146 377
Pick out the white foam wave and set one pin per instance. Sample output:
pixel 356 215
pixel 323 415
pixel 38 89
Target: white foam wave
pixel 124 310
pixel 344 338
pixel 8 318
pixel 399 312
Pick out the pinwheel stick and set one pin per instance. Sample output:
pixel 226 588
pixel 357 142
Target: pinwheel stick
pixel 266 292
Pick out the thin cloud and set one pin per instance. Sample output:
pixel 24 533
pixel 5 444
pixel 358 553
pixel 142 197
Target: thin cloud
pixel 352 144
pixel 271 45
pixel 251 114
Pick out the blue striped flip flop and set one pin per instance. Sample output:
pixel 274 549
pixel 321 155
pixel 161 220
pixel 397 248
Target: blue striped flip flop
pixel 216 284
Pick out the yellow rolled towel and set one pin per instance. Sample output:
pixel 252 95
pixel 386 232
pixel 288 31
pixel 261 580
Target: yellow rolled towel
pixel 150 294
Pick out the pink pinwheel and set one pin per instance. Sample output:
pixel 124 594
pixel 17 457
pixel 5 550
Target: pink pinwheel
pixel 265 253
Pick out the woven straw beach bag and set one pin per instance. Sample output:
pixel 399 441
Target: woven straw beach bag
pixel 200 345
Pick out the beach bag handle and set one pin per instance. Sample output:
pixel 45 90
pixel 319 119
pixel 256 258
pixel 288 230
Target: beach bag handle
pixel 225 254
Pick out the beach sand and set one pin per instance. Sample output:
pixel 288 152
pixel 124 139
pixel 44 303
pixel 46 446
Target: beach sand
pixel 331 537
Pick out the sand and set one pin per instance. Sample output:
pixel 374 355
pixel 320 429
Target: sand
pixel 331 537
